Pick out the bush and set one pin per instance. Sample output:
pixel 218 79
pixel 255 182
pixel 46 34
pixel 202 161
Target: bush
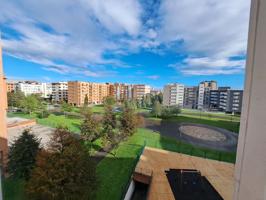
pixel 43 114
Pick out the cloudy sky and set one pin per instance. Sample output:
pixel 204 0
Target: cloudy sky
pixel 151 41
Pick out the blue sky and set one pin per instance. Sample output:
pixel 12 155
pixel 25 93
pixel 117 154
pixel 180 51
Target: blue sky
pixel 154 42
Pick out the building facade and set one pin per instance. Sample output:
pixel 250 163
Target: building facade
pixel 3 122
pixel 173 94
pixel 11 86
pixel 59 91
pixel 226 100
pixel 34 87
pixel 96 92
pixel 190 97
pixel 140 90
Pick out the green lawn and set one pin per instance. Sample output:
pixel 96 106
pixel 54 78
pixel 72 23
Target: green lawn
pixel 210 115
pixel 97 109
pixel 114 172
pixel 72 123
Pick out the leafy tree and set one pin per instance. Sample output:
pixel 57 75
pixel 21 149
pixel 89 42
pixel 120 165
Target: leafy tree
pixel 157 109
pixel 86 101
pixel 128 122
pixel 175 110
pixel 109 122
pixel 22 155
pixel 64 171
pixel 147 100
pixel 15 98
pixel 143 102
pixel 90 129
pixel 65 107
pixel 31 103
pixel 170 111
pixel 109 101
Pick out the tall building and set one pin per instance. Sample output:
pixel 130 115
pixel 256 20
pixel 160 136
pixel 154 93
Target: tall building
pixel 190 97
pixel 204 93
pixel 59 91
pixel 96 92
pixel 122 91
pixel 226 100
pixel 3 107
pixel 173 94
pixel 140 90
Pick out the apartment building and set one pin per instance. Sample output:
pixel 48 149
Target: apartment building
pixel 173 94
pixel 11 86
pixel 34 87
pixel 59 91
pixel 140 90
pixel 96 92
pixel 226 100
pixel 190 97
pixel 204 93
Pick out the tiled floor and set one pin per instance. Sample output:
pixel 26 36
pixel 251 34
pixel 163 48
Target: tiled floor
pixel 219 174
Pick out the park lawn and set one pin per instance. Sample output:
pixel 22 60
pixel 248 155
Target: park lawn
pixel 218 115
pixel 22 115
pixel 54 121
pixel 115 172
pixel 98 109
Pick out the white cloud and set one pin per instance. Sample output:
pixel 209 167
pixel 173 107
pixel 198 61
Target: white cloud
pixel 216 30
pixel 73 33
pixel 208 66
pixel 68 36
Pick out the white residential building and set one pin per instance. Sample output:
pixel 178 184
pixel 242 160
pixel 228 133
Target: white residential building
pixel 173 94
pixel 33 87
pixel 59 91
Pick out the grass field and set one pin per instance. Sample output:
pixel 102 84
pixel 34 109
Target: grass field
pixel 210 115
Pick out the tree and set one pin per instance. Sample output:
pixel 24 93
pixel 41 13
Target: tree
pixel 175 110
pixel 15 98
pixel 147 100
pixel 86 101
pixel 109 123
pixel 128 122
pixel 157 109
pixel 109 101
pixel 31 103
pixel 90 129
pixel 64 171
pixel 22 155
pixel 65 107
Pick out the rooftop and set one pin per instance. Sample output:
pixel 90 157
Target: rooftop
pixel 219 174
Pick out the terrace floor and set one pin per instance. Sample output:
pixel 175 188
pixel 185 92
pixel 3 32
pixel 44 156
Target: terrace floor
pixel 219 174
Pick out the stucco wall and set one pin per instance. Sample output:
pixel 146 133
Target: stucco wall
pixel 250 172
